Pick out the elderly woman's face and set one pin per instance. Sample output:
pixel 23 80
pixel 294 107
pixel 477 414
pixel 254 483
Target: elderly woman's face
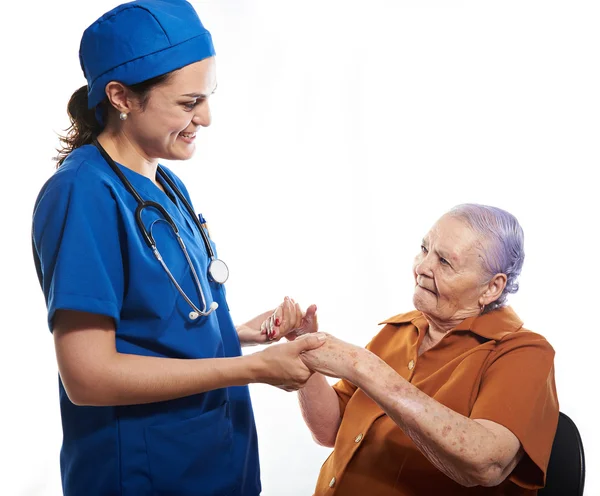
pixel 166 128
pixel 448 272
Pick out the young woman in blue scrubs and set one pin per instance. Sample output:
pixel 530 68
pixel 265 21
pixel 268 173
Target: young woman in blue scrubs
pixel 154 397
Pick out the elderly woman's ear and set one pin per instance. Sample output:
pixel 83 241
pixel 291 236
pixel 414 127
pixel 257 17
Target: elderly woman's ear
pixel 493 290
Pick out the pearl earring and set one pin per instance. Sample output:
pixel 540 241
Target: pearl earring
pixel 123 116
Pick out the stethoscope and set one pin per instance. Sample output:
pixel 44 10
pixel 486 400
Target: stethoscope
pixel 217 269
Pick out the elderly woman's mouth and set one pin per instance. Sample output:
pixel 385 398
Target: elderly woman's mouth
pixel 426 289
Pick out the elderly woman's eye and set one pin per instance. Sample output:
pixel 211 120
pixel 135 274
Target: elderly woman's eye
pixel 443 261
pixel 423 249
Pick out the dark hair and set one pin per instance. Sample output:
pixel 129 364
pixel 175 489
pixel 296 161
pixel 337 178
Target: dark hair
pixel 84 126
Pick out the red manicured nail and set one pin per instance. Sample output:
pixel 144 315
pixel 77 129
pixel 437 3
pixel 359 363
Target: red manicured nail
pixel 277 322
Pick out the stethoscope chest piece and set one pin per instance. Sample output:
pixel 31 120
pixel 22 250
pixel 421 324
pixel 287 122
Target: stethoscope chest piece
pixel 218 271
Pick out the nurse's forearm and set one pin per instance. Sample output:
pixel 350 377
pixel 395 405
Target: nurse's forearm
pixel 134 379
pixel 249 337
pixel 320 409
pixel 460 447
pixel 95 374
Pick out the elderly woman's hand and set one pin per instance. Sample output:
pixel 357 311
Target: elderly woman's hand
pixel 281 366
pixel 289 321
pixel 336 358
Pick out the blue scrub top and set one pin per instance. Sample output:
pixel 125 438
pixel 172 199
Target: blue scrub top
pixel 91 257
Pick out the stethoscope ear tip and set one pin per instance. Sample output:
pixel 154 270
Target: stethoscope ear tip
pixel 194 315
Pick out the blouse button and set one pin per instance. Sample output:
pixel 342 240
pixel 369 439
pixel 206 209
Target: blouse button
pixel 411 365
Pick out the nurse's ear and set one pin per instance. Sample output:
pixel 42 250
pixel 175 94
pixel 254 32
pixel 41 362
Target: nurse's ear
pixel 120 97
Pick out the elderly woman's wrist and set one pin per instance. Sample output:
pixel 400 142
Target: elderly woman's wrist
pixel 360 369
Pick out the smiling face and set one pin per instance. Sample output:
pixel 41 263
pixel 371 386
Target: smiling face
pixel 165 125
pixel 450 283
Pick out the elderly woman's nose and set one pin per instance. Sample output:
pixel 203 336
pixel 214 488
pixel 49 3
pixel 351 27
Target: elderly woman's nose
pixel 423 266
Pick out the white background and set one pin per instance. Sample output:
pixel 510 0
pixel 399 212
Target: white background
pixel 341 132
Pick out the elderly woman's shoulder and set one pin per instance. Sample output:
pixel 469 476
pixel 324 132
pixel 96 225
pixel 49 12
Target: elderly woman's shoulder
pixel 526 339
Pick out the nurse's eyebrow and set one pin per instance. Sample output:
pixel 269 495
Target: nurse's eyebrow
pixel 200 95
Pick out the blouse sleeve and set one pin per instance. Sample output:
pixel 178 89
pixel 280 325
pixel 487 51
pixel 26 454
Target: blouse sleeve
pixel 345 389
pixel 518 392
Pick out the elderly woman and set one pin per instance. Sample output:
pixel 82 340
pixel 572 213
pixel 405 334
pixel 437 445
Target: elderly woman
pixel 455 397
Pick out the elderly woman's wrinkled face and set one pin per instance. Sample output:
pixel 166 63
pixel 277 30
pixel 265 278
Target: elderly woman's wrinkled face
pixel 448 272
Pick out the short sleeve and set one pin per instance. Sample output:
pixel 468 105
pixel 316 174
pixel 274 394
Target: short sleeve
pixel 518 392
pixel 344 390
pixel 76 246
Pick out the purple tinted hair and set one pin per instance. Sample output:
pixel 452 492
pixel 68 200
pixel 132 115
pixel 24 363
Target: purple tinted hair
pixel 504 252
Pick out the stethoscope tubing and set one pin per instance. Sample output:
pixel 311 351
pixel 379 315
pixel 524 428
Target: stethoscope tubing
pixel 149 238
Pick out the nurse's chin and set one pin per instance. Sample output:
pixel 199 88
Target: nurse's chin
pixel 182 152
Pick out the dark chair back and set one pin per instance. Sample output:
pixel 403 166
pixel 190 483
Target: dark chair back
pixel 566 470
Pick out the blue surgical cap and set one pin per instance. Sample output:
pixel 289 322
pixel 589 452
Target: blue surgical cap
pixel 140 40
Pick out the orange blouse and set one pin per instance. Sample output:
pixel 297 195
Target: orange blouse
pixel 487 367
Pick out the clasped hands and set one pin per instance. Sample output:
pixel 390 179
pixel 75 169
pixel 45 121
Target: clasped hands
pixel 329 356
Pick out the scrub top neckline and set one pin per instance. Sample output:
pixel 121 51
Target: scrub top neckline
pixel 145 185
pixel 176 202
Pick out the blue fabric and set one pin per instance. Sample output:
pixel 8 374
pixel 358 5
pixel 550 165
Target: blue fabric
pixel 140 40
pixel 91 257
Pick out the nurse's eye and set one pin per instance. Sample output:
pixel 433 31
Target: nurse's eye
pixel 191 105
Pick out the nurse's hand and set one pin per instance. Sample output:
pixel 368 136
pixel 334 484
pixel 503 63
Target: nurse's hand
pixel 264 328
pixel 289 321
pixel 251 333
pixel 281 366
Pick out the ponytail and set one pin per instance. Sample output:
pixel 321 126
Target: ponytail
pixel 84 126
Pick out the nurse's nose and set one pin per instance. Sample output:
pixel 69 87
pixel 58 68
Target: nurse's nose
pixel 202 115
